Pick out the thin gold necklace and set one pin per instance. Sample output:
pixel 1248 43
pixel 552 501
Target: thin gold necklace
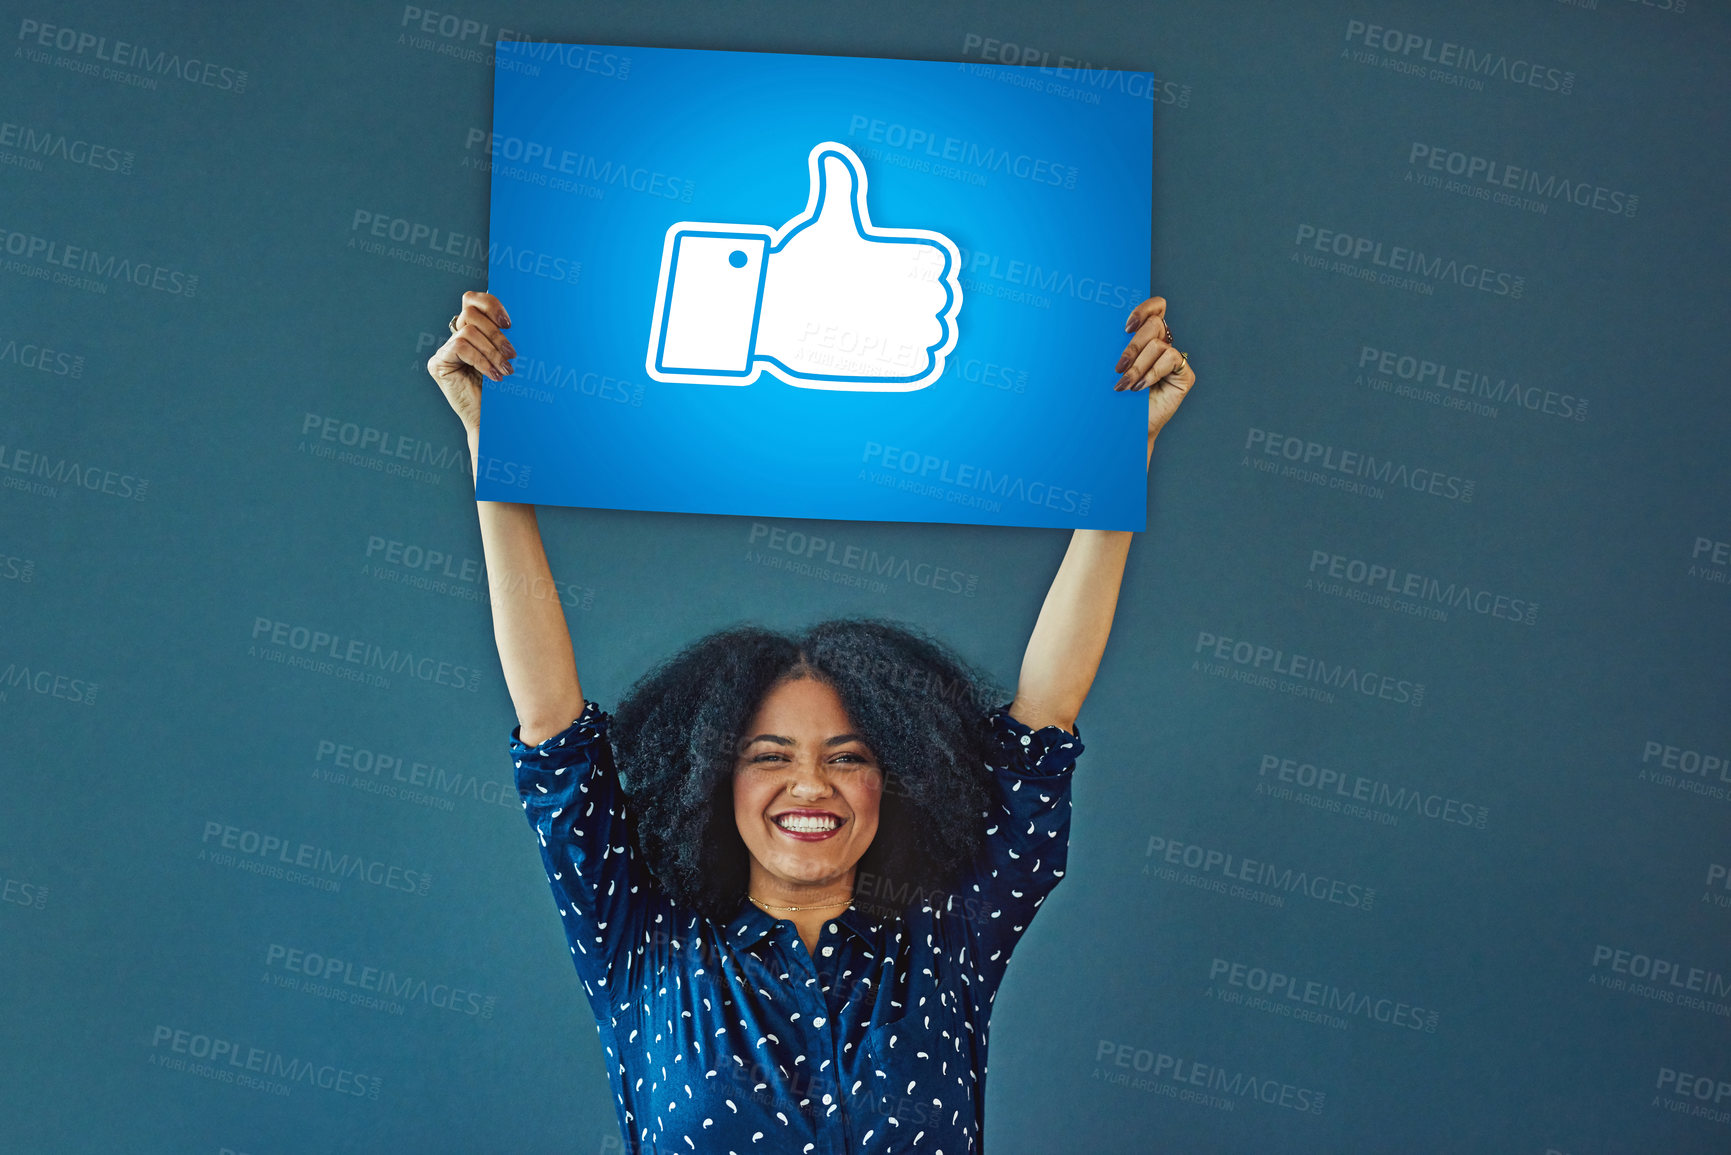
pixel 808 906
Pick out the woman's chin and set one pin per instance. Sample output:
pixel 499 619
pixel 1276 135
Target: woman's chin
pixel 799 870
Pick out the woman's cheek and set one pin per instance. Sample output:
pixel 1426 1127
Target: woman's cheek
pixel 870 799
pixel 749 796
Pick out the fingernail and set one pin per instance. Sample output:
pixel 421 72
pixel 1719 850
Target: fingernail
pixel 507 320
pixel 1126 379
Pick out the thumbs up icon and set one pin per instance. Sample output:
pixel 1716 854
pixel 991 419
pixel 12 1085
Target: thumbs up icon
pixel 827 301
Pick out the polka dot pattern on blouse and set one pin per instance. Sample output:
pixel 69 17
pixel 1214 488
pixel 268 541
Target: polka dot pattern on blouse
pixel 731 1037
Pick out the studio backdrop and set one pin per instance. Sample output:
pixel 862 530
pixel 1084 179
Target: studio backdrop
pixel 1403 820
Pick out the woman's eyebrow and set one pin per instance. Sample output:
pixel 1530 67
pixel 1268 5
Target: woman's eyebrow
pixel 776 738
pixel 780 740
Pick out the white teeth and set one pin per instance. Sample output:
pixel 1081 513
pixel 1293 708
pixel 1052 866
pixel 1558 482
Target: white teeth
pixel 804 824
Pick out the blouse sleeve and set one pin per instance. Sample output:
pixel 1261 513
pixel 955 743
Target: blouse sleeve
pixel 571 795
pixel 1027 839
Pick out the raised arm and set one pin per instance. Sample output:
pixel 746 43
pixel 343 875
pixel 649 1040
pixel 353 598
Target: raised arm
pixel 1070 634
pixel 528 623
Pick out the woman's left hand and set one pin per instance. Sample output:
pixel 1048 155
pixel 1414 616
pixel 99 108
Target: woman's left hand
pixel 1150 362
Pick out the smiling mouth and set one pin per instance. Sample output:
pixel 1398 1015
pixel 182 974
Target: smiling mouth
pixel 808 826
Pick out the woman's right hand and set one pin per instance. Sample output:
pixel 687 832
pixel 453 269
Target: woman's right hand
pixel 477 348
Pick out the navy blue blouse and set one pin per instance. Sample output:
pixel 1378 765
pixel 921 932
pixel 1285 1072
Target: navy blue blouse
pixel 732 1037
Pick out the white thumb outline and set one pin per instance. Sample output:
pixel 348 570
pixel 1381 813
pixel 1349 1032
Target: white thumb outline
pixel 777 239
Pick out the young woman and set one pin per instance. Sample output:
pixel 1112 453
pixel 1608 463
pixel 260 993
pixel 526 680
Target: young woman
pixel 792 870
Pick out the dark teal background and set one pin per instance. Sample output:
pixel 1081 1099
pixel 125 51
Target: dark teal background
pixel 273 452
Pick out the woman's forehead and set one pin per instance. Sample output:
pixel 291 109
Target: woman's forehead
pixel 801 697
pixel 802 710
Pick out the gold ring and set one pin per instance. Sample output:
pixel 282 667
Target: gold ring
pixel 1183 360
pixel 452 324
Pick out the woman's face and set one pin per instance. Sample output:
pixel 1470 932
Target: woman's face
pixel 805 790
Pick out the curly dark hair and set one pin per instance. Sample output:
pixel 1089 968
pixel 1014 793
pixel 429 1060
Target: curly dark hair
pixel 917 705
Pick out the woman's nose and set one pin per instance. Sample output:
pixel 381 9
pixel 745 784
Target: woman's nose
pixel 809 782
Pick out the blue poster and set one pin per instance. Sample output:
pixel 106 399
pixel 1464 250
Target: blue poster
pixel 817 286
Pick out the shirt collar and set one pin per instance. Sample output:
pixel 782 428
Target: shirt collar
pixel 751 924
pixel 748 926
